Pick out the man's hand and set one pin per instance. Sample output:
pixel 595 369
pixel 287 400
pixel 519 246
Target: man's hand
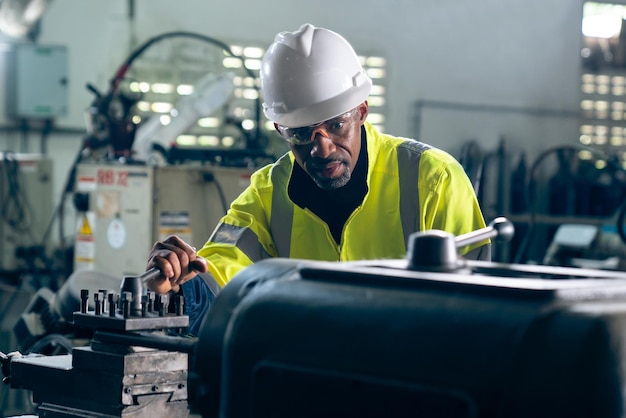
pixel 178 263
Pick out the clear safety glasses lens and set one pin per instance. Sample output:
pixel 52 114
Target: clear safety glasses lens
pixel 304 135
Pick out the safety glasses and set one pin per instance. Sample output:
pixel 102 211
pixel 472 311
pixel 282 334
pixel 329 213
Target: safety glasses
pixel 334 127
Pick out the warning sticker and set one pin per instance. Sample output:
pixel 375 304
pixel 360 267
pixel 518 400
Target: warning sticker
pixel 85 228
pixel 85 245
pixel 175 223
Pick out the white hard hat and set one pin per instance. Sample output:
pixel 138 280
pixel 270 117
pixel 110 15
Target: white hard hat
pixel 310 76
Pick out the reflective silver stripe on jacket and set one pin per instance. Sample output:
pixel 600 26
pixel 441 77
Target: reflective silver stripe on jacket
pixel 281 217
pixel 243 238
pixel 409 154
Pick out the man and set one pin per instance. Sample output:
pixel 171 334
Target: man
pixel 344 191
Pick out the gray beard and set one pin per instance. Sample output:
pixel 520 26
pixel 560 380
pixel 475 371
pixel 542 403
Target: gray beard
pixel 333 184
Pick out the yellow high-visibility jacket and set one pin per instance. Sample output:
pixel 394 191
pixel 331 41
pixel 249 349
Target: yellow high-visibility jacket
pixel 411 187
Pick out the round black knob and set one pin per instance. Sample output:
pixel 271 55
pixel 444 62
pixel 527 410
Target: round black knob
pixel 432 250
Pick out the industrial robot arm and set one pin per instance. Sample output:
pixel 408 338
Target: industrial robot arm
pixel 209 94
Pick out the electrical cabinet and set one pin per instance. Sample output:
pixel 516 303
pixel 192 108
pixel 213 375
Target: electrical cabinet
pixel 25 208
pixel 37 82
pixel 126 208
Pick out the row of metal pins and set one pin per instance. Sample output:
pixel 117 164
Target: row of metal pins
pixel 105 301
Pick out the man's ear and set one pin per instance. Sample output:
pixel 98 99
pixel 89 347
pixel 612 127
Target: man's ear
pixel 363 111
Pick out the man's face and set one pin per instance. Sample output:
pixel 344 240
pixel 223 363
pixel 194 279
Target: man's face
pixel 334 147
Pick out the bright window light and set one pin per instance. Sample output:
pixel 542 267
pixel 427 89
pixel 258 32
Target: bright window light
pixel 586 129
pixel 377 90
pixel 134 86
pixel 231 62
pixel 165 119
pixel 376 72
pixel 376 118
pixel 184 89
pixel 228 141
pixel 376 101
pixel 162 88
pixel 236 49
pixel 209 122
pixel 253 64
pixel 186 140
pixel 253 52
pixel 602 26
pixel 250 94
pixel 143 106
pixel 248 124
pixel 375 62
pixel 208 140
pixel 161 107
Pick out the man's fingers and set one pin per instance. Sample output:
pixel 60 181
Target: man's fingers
pixel 176 260
pixel 200 265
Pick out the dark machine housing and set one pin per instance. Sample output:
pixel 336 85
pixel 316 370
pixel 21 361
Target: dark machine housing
pixel 292 338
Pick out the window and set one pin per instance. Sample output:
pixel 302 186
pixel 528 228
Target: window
pixel 168 73
pixel 603 81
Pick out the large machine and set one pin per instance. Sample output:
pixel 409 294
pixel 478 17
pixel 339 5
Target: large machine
pixel 123 209
pixel 432 335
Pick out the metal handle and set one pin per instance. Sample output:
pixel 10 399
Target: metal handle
pixel 151 274
pixel 500 228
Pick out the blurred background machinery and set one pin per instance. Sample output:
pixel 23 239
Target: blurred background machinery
pixel 136 177
pixel 25 212
pixel 134 181
pixel 124 209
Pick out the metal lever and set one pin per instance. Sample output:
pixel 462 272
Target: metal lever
pixel 436 250
pixel 500 228
pixel 151 274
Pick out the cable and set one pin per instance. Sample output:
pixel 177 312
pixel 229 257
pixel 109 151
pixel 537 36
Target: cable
pixel 620 222
pixel 472 159
pixel 210 177
pixel 14 208
pixel 59 211
pixel 221 194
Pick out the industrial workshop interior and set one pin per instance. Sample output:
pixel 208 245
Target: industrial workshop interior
pixel 126 123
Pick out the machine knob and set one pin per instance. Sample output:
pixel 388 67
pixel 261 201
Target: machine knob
pixel 436 250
